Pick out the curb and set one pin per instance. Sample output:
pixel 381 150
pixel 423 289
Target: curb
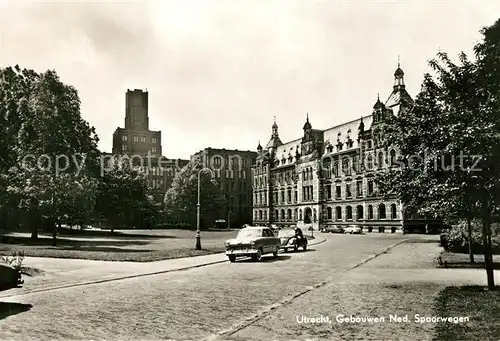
pixel 287 300
pixel 130 276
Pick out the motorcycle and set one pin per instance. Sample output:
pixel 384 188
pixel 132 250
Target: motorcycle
pixel 294 243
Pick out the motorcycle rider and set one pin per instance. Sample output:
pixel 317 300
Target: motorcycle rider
pixel 298 233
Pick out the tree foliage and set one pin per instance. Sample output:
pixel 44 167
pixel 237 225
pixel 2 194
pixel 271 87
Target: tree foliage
pixel 449 143
pixel 181 199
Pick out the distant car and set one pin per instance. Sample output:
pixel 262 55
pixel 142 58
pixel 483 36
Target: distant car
pixel 254 242
pixel 332 229
pixel 353 229
pixel 289 241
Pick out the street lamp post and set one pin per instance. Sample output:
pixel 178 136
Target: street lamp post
pixel 198 236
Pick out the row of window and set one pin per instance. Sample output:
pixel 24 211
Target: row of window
pixel 348 190
pixel 125 148
pixel 138 138
pixel 297 213
pixel 155 183
pixel 381 212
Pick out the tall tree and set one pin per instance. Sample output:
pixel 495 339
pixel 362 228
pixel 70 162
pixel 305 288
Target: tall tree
pixel 47 138
pixel 123 198
pixel 449 143
pixel 182 198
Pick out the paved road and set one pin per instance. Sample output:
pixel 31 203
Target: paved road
pixel 186 305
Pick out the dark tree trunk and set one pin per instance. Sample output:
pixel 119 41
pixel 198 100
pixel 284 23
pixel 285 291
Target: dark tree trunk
pixel 34 222
pixel 55 228
pixel 469 236
pixel 488 263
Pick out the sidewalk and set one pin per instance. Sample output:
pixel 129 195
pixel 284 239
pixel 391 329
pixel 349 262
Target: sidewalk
pixel 60 273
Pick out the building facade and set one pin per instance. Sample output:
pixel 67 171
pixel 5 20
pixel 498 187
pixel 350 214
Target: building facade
pixel 327 177
pixel 232 169
pixel 144 146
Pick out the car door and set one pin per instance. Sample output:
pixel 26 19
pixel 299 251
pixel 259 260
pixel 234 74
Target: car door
pixel 268 239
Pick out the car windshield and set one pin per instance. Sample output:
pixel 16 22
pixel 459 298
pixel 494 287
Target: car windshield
pixel 286 233
pixel 249 233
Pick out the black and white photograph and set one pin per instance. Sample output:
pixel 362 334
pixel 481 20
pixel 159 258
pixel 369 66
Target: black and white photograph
pixel 250 170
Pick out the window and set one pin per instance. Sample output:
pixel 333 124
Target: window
pixel 355 164
pixel 153 140
pixel 348 212
pixel 276 216
pixel 338 192
pixel 289 214
pixel 345 167
pixel 143 138
pixel 289 194
pixel 282 197
pixel 124 147
pixel 296 195
pixel 381 211
pixel 136 138
pixel 336 169
pixel 359 188
pixel 328 192
pixel 348 190
pixel 338 213
pixel 393 211
pixel 359 212
pixel 282 214
pixel 381 160
pixel 153 149
pixel 370 212
pixel 349 144
pixel 369 144
pixel 217 161
pixel 329 213
pixel 124 138
pixel 369 161
pixel 295 214
pixel 370 187
pixel 393 157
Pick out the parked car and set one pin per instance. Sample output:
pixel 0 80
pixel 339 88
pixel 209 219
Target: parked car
pixel 254 242
pixel 289 241
pixel 353 229
pixel 332 229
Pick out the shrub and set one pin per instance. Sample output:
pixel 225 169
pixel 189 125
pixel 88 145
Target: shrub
pixel 15 260
pixel 456 239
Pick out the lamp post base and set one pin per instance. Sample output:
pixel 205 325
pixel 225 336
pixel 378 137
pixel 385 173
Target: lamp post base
pixel 198 242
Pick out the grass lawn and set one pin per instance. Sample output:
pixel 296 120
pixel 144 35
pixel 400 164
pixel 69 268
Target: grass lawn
pixel 480 305
pixel 138 246
pixel 462 260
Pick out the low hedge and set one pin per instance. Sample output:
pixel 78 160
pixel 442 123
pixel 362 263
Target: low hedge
pixel 456 238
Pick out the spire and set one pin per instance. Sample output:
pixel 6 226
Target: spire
pixel 259 147
pixel 378 104
pixel 361 128
pixel 307 125
pixel 275 128
pixel 399 77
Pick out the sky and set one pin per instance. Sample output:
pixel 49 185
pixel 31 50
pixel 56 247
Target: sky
pixel 217 72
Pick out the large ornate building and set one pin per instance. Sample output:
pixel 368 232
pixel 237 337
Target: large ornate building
pixel 144 146
pixel 326 177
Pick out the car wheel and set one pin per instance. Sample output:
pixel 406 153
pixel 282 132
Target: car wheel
pixel 232 259
pixel 305 247
pixel 275 253
pixel 258 256
pixel 295 248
